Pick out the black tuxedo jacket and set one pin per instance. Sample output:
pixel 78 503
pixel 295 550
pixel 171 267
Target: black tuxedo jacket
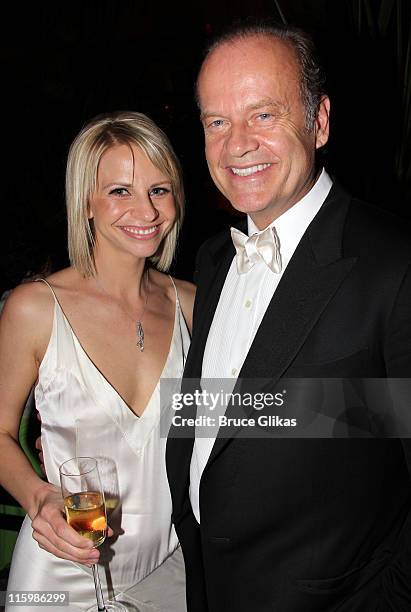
pixel 307 525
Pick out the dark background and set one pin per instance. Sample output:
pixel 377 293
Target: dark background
pixel 62 63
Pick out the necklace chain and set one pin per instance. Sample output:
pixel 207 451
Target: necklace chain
pixel 137 321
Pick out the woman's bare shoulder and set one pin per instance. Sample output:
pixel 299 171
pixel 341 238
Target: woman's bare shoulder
pixel 28 311
pixel 31 302
pixel 186 290
pixel 186 294
pixel 28 299
pixel 26 320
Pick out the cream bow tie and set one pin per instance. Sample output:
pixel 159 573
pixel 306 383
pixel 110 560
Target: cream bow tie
pixel 265 246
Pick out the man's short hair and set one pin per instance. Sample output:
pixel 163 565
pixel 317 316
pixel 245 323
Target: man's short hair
pixel 312 77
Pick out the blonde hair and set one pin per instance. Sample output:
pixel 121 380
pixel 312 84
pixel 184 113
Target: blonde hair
pixel 86 151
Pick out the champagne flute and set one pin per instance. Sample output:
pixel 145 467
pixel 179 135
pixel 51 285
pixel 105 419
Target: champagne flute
pixel 85 508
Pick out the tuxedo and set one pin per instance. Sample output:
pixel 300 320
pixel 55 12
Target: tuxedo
pixel 307 525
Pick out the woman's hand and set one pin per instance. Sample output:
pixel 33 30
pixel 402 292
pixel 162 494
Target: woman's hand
pixel 40 449
pixel 52 532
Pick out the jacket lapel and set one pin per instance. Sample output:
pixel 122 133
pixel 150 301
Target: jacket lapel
pixel 312 277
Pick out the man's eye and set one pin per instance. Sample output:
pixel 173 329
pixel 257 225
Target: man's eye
pixel 216 123
pixel 119 191
pixel 265 116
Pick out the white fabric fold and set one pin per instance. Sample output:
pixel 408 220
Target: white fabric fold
pixel 265 246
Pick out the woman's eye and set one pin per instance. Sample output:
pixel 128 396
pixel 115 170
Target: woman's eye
pixel 119 191
pixel 159 191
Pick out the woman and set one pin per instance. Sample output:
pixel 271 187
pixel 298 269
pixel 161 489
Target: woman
pixel 97 337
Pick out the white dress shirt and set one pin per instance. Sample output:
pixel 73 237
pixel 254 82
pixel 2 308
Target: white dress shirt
pixel 242 305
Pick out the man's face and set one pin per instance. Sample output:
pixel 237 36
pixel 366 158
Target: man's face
pixel 259 152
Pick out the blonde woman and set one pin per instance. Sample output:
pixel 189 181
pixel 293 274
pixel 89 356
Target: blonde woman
pixel 95 339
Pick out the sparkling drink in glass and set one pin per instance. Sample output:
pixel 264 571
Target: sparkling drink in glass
pixel 85 509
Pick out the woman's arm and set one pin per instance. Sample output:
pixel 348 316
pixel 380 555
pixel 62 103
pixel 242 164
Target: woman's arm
pixel 25 326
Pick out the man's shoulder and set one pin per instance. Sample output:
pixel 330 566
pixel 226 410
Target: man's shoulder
pixel 216 241
pixel 377 227
pixel 219 241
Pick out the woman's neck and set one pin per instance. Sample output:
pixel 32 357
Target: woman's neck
pixel 122 279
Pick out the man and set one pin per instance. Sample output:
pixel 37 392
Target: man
pixel 292 524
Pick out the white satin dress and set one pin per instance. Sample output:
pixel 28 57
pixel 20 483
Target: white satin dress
pixel 83 415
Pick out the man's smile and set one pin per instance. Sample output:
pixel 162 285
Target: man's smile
pixel 250 170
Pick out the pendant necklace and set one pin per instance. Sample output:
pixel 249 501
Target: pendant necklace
pixel 137 322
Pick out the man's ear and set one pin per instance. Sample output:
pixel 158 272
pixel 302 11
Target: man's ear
pixel 322 122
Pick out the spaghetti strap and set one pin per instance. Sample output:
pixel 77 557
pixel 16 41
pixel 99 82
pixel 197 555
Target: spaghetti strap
pixel 43 280
pixel 175 289
pixel 182 326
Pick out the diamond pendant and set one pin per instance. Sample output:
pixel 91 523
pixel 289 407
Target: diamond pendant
pixel 140 335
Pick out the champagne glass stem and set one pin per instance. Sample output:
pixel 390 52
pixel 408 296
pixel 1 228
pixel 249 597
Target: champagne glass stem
pixel 99 592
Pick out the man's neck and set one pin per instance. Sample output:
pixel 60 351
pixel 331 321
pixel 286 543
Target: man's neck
pixel 319 189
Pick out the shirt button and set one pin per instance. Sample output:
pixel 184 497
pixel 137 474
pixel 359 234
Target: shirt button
pixel 234 371
pixel 248 303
